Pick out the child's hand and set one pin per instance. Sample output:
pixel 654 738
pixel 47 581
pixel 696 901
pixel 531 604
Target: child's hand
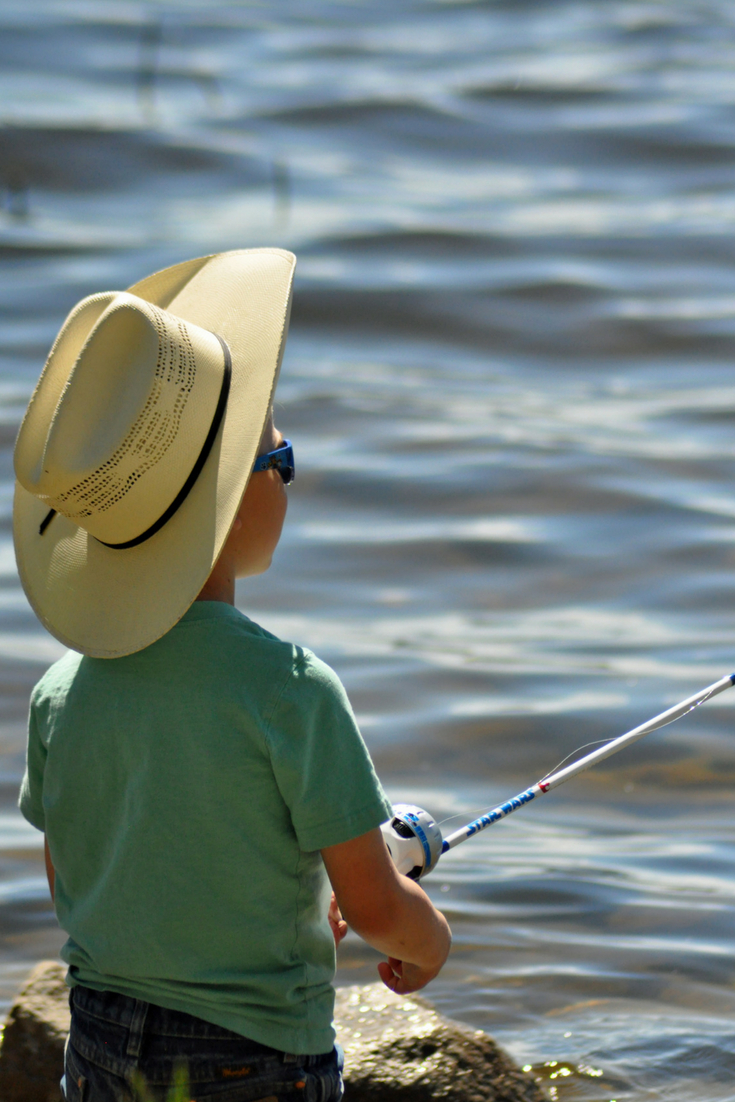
pixel 404 978
pixel 338 924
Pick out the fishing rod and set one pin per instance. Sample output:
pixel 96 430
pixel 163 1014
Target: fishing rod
pixel 415 841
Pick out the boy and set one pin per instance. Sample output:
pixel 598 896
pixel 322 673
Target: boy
pixel 199 782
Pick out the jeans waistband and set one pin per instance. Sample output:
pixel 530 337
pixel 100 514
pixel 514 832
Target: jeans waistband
pixel 138 1018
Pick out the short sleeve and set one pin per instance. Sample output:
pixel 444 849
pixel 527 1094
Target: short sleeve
pixel 31 789
pixel 321 764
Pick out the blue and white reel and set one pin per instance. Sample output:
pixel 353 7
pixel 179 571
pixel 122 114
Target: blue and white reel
pixel 413 839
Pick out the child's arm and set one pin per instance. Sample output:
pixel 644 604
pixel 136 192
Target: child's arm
pixel 391 912
pixel 50 871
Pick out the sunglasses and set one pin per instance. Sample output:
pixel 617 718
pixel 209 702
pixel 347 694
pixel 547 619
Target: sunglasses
pixel 280 460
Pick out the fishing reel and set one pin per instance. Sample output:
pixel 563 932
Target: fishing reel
pixel 413 839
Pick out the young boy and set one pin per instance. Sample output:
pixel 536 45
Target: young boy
pixel 199 782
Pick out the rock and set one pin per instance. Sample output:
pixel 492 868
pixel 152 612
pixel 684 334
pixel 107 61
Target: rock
pixel 397 1048
pixel 32 1054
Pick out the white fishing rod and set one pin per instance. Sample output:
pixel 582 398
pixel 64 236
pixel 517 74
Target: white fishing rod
pixel 415 841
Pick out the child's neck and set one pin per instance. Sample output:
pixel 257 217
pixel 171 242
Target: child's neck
pixel 220 585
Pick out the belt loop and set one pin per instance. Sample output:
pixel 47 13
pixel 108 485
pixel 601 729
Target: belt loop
pixel 137 1027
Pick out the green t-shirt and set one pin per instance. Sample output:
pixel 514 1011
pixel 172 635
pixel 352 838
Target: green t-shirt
pixel 185 792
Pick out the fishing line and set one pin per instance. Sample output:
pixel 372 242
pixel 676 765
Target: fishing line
pixel 605 741
pixel 487 807
pixel 598 742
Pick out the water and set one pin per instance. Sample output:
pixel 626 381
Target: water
pixel 509 385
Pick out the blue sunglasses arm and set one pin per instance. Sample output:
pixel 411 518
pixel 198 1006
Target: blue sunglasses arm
pixel 277 459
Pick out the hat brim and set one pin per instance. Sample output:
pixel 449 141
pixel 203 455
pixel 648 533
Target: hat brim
pixel 108 603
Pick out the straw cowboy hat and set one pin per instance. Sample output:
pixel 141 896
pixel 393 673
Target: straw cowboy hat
pixel 138 443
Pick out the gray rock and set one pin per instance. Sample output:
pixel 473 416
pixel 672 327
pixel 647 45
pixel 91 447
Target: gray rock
pixel 32 1054
pixel 397 1048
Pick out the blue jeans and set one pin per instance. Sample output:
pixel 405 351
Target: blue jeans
pixel 115 1039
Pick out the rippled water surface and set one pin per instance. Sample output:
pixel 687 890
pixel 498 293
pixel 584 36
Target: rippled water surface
pixel 510 387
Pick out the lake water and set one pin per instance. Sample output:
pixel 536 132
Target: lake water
pixel 509 382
